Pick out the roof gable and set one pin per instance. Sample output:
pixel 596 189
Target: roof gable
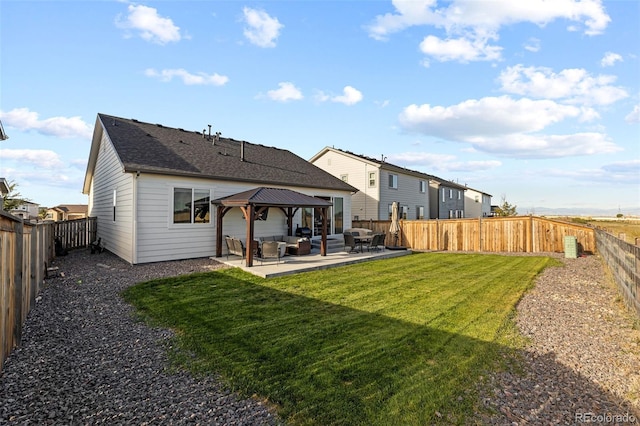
pixel 155 148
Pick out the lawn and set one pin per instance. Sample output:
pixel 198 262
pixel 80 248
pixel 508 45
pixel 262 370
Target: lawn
pixel 394 341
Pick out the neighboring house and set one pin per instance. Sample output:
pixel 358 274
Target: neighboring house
pixel 477 203
pixel 151 187
pixel 4 191
pixel 67 212
pixel 26 210
pixel 447 199
pixel 419 195
pixel 379 184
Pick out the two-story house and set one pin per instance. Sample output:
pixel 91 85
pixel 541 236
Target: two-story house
pixel 26 210
pixel 379 183
pixel 447 199
pixel 477 203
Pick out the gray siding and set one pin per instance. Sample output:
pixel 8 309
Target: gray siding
pixel 407 194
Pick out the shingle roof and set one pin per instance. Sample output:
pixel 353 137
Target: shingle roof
pixel 154 148
pixel 392 167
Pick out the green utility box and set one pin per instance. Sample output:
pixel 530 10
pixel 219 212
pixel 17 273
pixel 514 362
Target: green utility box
pixel 571 247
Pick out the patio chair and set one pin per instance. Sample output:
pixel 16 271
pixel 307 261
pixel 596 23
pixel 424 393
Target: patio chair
pixel 350 241
pixel 374 245
pixel 235 246
pixel 270 250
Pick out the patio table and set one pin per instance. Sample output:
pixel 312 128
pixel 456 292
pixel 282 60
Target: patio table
pixel 362 239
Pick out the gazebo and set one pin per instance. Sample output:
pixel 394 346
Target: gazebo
pixel 255 202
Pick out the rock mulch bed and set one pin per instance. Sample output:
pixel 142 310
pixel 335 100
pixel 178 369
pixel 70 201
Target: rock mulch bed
pixel 582 364
pixel 84 358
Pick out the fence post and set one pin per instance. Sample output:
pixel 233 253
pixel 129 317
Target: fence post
pixel 18 282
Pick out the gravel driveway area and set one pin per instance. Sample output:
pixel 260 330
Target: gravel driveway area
pixel 84 358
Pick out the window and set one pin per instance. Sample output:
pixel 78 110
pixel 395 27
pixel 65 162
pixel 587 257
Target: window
pixel 443 200
pixel 419 212
pixel 393 181
pixel 423 186
pixel 344 178
pixel 451 194
pixel 114 204
pixel 390 210
pixel 372 179
pixel 338 215
pixel 459 195
pixel 403 212
pixel 191 205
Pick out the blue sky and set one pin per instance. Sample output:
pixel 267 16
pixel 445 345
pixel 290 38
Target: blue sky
pixel 534 101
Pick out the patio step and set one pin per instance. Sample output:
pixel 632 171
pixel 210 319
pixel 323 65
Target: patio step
pixel 334 244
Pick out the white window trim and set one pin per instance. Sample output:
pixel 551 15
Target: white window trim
pixel 393 181
pixel 193 188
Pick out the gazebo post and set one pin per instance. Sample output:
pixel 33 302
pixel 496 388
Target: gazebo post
pixel 219 215
pixel 323 241
pixel 249 245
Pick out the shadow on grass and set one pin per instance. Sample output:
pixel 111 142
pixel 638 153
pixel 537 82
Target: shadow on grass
pixel 324 363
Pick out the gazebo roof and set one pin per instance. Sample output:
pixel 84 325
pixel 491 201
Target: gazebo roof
pixel 277 197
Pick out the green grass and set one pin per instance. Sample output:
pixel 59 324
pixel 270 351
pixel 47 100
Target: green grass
pixel 390 342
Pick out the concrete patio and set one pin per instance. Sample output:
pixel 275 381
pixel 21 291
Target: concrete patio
pixel 310 262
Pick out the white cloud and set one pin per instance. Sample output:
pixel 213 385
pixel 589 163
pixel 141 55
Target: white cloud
pixel 532 45
pixel 460 49
pixel 63 127
pixel 486 116
pixel 287 92
pixel 504 126
pixel 469 25
pixel 547 146
pixel 574 86
pixel 149 24
pixel 188 78
pixel 261 30
pixel 633 116
pixel 619 173
pixel 350 96
pixel 610 59
pixel 38 157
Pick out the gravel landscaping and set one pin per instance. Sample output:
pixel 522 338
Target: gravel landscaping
pixel 583 361
pixel 85 359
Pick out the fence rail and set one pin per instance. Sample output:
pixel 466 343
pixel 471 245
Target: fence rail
pixel 527 234
pixel 76 233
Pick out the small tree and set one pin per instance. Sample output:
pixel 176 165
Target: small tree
pixel 506 209
pixel 13 199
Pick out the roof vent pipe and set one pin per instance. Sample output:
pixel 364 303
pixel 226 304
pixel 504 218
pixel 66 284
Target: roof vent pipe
pixel 242 151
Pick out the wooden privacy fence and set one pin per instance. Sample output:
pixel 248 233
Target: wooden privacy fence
pixel 25 251
pixel 526 234
pixel 623 260
pixel 76 233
